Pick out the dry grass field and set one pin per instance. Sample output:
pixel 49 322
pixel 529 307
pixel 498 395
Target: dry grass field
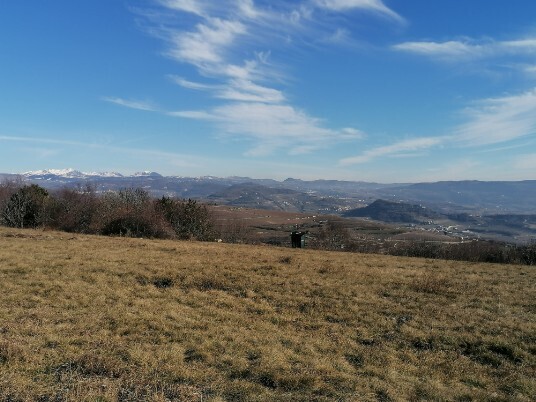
pixel 87 318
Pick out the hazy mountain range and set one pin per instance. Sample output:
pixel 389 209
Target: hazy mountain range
pixel 473 197
pixel 499 209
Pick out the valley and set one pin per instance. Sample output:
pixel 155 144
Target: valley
pixel 466 210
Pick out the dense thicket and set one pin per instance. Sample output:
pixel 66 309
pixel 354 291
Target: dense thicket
pixel 188 219
pixel 128 212
pixel 26 207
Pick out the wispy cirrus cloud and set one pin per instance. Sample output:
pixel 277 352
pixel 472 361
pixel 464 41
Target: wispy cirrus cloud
pixel 488 122
pixel 498 120
pixel 395 149
pixel 469 49
pixel 229 44
pixel 241 90
pixel 12 138
pixel 442 50
pixel 272 126
pixel 190 6
pixel 206 45
pixel 132 104
pixel 375 6
pixel 178 159
pixel 183 82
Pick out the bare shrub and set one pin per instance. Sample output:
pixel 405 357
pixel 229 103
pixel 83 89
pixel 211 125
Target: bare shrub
pixel 75 209
pixel 8 188
pixel 129 212
pixel 527 254
pixel 234 231
pixel 474 251
pixel 332 236
pixel 188 218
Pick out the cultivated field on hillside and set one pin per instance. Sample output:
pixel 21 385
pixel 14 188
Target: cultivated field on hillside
pixel 87 318
pixel 237 224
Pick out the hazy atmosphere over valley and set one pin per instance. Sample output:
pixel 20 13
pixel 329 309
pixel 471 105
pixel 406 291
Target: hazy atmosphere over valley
pixel 391 91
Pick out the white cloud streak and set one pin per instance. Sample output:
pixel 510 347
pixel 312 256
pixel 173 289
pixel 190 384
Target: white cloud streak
pixel 190 6
pixel 236 90
pixel 375 6
pixel 207 44
pixel 178 159
pixel 272 126
pixel 469 49
pixel 139 105
pixel 459 50
pixel 244 90
pixel 191 84
pixel 498 120
pixel 395 149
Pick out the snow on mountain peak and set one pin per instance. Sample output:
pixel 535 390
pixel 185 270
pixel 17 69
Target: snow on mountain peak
pixel 147 174
pixel 104 174
pixel 69 173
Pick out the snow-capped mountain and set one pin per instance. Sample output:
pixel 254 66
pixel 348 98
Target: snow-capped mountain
pixel 67 174
pixel 104 174
pixel 146 174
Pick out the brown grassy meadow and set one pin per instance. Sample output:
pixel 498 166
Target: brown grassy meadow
pixel 87 318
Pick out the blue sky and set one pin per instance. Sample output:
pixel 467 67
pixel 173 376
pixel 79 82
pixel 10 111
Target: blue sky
pixel 387 91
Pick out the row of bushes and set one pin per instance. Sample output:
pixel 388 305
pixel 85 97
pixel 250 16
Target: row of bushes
pixel 474 251
pixel 334 236
pixel 128 212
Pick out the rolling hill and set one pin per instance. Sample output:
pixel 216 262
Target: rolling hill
pixel 492 197
pixel 388 211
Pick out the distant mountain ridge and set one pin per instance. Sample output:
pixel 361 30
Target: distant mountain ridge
pixel 68 174
pixel 77 174
pixel 323 196
pixel 490 196
pixel 254 195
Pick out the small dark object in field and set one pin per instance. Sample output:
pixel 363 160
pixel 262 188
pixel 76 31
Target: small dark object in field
pixel 355 360
pixel 383 396
pixel 193 355
pixel 162 283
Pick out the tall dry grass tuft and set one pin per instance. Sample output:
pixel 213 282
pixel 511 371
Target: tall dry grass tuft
pixel 431 281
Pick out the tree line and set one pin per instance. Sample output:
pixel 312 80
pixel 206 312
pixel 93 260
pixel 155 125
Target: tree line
pixel 128 212
pixel 335 236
